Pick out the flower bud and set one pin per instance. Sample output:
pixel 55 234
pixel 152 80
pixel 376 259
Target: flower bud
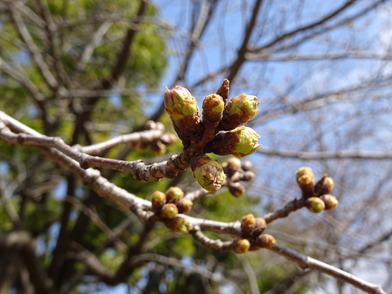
pixel 305 178
pixel 236 189
pixel 315 204
pixel 184 205
pixel 265 241
pixel 238 111
pixel 212 108
pixel 328 185
pixel 329 201
pixel 248 223
pixel 174 194
pixel 208 172
pixel 158 147
pixel 303 170
pixel 241 245
pixel 247 165
pixel 169 211
pixel 232 166
pixel 239 142
pixel 259 228
pixel 168 138
pixel 180 224
pixel 158 199
pixel 182 108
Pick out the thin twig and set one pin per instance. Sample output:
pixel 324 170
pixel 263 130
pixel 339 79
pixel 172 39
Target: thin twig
pixel 306 262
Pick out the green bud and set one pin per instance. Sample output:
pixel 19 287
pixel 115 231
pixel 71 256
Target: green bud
pixel 315 204
pixel 174 194
pixel 238 111
pixel 182 109
pixel 208 172
pixel 329 201
pixel 241 245
pixel 213 106
pixel 265 241
pixel 179 103
pixel 169 211
pixel 158 199
pixel 239 142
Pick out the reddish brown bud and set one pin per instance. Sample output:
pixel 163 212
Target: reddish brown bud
pixel 265 241
pixel 247 165
pixel 232 166
pixel 241 245
pixel 169 211
pixel 236 189
pixel 158 199
pixel 329 201
pixel 315 204
pixel 184 205
pixel 158 147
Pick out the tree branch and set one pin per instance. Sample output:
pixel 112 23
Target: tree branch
pixel 306 262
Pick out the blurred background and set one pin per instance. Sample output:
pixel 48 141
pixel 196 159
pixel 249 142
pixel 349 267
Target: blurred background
pixel 88 71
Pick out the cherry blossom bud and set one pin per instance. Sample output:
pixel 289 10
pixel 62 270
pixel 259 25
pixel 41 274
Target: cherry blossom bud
pixel 305 178
pixel 328 185
pixel 241 245
pixel 239 142
pixel 265 241
pixel 238 111
pixel 182 108
pixel 329 201
pixel 184 205
pixel 213 106
pixel 260 226
pixel 180 224
pixel 232 166
pixel 169 211
pixel 158 199
pixel 208 172
pixel 315 204
pixel 236 189
pixel 248 223
pixel 174 194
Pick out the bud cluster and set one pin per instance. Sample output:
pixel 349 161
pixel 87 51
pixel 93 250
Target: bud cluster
pixel 236 171
pixel 317 195
pixel 220 130
pixel 252 229
pixel 168 205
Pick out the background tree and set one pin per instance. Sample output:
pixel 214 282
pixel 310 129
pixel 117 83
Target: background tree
pixel 89 71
